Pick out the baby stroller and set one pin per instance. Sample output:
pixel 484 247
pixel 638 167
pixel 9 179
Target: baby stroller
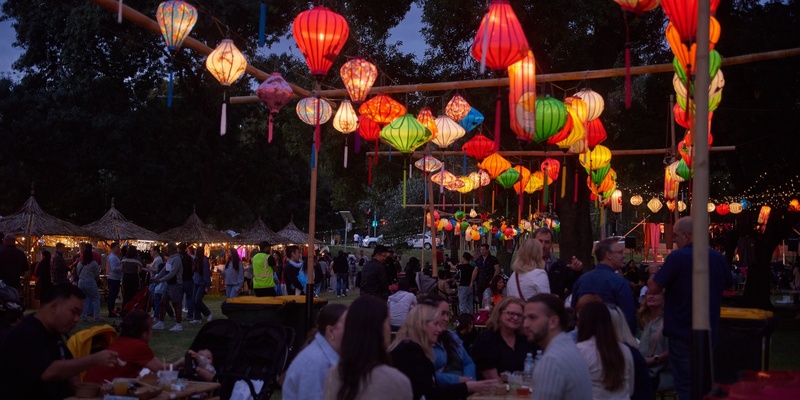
pixel 251 353
pixel 142 300
pixel 90 341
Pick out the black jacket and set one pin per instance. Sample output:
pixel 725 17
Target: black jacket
pixel 410 359
pixel 374 281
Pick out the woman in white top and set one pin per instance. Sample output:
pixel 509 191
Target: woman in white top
pixel 610 362
pixel 529 274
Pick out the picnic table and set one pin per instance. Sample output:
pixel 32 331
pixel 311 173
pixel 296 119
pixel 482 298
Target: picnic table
pixel 192 388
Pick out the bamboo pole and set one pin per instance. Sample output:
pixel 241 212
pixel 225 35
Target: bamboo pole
pixel 537 153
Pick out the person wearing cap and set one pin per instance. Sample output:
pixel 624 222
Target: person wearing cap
pixel 263 271
pixel 373 278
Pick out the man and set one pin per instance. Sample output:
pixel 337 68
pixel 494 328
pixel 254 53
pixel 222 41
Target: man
pixel 36 361
pixel 291 271
pixel 58 267
pixel 114 277
pixel 391 267
pixel 13 262
pixel 373 277
pixel 263 272
pixel 172 274
pixel 604 281
pixel 486 267
pixel 676 277
pixel 187 261
pixel 562 372
pixel 560 274
pixel 341 269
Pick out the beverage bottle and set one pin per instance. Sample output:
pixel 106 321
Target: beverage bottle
pixel 527 373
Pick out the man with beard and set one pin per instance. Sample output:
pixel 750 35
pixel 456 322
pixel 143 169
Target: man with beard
pixel 562 372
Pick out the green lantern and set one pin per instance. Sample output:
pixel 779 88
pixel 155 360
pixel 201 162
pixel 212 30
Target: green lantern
pixel 551 115
pixel 405 134
pixel 599 174
pixel 713 102
pixel 684 171
pixel 714 62
pixel 459 215
pixel 508 178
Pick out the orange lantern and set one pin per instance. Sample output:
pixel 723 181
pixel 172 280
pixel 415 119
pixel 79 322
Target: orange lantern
pixel 426 118
pixel 382 109
pixel 670 186
pixel 763 214
pixel 671 205
pixel 525 176
pixel 495 165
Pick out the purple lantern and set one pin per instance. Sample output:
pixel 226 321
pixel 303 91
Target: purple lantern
pixel 274 92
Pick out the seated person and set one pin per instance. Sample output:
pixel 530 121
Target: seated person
pixel 204 364
pixel 133 350
pixel 494 293
pixel 503 345
pixel 465 328
pixel 11 309
pixel 400 303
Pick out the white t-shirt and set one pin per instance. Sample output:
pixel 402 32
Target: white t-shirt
pixel 532 283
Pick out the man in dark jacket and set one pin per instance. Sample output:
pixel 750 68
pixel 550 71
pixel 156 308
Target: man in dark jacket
pixel 561 275
pixel 340 269
pixel 13 262
pixel 373 278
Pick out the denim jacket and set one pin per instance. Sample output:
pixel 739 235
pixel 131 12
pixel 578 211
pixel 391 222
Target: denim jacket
pixel 440 360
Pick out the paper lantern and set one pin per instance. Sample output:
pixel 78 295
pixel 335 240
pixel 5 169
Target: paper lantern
pixel 428 164
pixel 596 158
pixel 563 133
pixel 275 93
pixel 794 205
pixel 683 171
pixel 745 204
pixel 763 214
pixel 480 178
pixel 723 209
pixel 683 15
pixel 479 147
pixel 545 121
pixel 227 64
pixel 616 201
pixel 579 108
pixel 672 170
pixel 382 109
pixel 550 166
pixel 671 205
pixel 599 175
pixel 654 205
pixel 686 51
pixel 595 133
pixel 636 200
pixel 711 207
pixel 735 208
pixel 405 134
pixel 449 131
pixel 472 120
pixel 536 182
pixel 637 7
pixel 455 185
pixel 524 177
pixel 176 19
pixel 521 78
pixel 577 133
pixel 368 129
pixel 494 165
pixel 473 213
pixel 500 40
pixel 508 178
pixel 457 108
pixel 594 103
pixel 345 120
pixel 443 177
pixel 670 186
pixel 307 110
pixel 468 185
pixel 320 34
pixel 358 76
pixel 425 117
pixel 681 206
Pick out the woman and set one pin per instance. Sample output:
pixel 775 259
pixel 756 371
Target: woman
pixel 465 296
pixel 400 304
pixel 305 378
pixel 610 362
pixel 451 361
pixel 364 371
pixel 412 269
pixel 201 278
pixel 233 275
pixel 88 273
pixel 42 271
pixel 641 376
pixel 412 353
pixel 503 345
pixel 134 351
pixel 158 289
pixel 529 277
pixel 494 293
pixel 131 266
pixel 653 343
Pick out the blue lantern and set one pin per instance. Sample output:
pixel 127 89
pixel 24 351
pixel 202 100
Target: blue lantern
pixel 471 120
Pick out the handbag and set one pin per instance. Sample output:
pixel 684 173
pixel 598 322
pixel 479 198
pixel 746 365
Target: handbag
pixel 519 288
pixel 481 317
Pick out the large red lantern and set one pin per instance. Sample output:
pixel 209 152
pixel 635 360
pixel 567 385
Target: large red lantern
pixel 479 147
pixel 500 40
pixel 683 15
pixel 382 109
pixel 595 133
pixel 320 34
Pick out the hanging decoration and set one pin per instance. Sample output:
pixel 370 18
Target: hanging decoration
pixel 345 121
pixel 521 80
pixel 500 40
pixel 448 131
pixel 312 110
pixel 681 206
pixel 541 118
pixel 320 34
pixel 632 8
pixel 682 15
pixel 457 108
pixel 723 209
pixel 636 200
pixel 524 177
pixel 495 165
pixel 479 147
pixel 508 178
pixel 672 170
pixel 358 76
pixel 594 103
pixel 616 201
pixel 735 208
pixel 368 129
pixel 227 64
pixel 654 205
pixel 595 133
pixel 443 177
pixel 711 207
pixel 426 118
pixel 262 24
pixel 382 109
pixel 275 93
pixel 594 159
pixel 405 134
pixel 563 133
pixel 480 178
pixel 670 186
pixel 428 164
pixel 671 205
pixel 763 215
pixel 472 120
pixel 176 19
pixel 577 133
pixel 550 166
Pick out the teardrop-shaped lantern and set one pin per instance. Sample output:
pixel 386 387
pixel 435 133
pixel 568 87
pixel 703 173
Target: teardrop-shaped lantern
pixel 426 118
pixel 578 107
pixel 307 110
pixel 636 200
pixel 176 19
pixel 345 120
pixel 508 178
pixel 594 103
pixel 457 108
pixel 494 164
pixel 405 134
pixel 320 34
pixel 500 40
pixel 595 133
pixel 358 76
pixel 368 129
pixel 654 205
pixel 227 64
pixel 551 167
pixel 449 131
pixel 711 207
pixel 275 93
pixel 472 120
pixel 479 147
pixel 382 109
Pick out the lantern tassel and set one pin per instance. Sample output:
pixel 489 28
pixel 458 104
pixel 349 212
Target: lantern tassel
pixel 313 157
pixel 405 175
pixel 262 24
pixel 223 120
pixel 497 115
pixel 345 153
pixel 564 180
pixel 269 138
pixel 627 64
pixel 169 90
pixel 119 13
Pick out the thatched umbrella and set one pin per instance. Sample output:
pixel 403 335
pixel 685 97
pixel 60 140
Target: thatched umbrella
pixel 32 221
pixel 259 232
pixel 194 231
pixel 114 226
pixel 294 235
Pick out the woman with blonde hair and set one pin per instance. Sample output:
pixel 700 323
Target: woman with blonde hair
pixel 529 277
pixel 503 345
pixel 412 354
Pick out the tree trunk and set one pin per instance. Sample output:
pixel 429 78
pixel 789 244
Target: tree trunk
pixel 576 229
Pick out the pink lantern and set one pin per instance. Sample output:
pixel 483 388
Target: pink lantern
pixel 274 92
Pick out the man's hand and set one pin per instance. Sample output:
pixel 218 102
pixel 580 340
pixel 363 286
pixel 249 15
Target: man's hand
pixel 105 358
pixel 575 264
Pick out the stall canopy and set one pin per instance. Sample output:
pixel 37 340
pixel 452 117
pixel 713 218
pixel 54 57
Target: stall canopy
pixel 259 232
pixel 32 221
pixel 114 226
pixel 293 234
pixel 194 231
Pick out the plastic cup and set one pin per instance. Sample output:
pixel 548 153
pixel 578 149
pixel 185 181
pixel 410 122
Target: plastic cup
pixel 121 386
pixel 167 378
pixel 523 392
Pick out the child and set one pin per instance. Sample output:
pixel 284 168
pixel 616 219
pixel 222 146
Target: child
pixel 465 331
pixel 205 364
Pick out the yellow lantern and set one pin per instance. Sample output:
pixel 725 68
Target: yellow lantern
pixel 595 159
pixel 636 200
pixel 358 75
pixel 711 207
pixel 577 133
pixel 763 214
pixel 670 186
pixel 672 170
pixel 468 185
pixel 579 109
pixel 735 207
pixel 654 205
pixel 227 64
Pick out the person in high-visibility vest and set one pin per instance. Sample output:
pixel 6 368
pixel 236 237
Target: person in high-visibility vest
pixel 263 272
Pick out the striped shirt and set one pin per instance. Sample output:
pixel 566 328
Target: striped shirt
pixel 562 372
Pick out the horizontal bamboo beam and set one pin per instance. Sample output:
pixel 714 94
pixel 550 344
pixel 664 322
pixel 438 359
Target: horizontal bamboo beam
pixel 555 153
pixel 144 21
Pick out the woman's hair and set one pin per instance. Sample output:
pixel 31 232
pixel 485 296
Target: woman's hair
pixel 621 327
pixel 414 328
pixel 235 262
pixel 134 324
pixel 464 321
pixel 529 256
pixel 586 299
pixel 646 313
pixel 493 284
pixel 493 323
pixel 467 256
pixel 199 257
pixel 328 316
pixel 363 345
pixel 431 299
pixel 595 321
pixel 132 252
pixel 86 257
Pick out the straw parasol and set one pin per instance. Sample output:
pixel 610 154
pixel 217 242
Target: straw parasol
pixel 32 221
pixel 259 232
pixel 293 234
pixel 194 231
pixel 114 226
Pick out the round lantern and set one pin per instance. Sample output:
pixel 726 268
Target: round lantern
pixel 723 209
pixel 473 213
pixel 428 164
pixel 368 129
pixel 711 207
pixel 681 206
pixel 495 164
pixel 227 64
pixel 405 134
pixel 345 120
pixel 500 40
pixel 594 103
pixel 307 110
pixel 524 177
pixel 551 166
pixel 471 120
pixel 763 214
pixel 654 205
pixel 548 117
pixel 382 109
pixel 794 205
pixel 320 34
pixel 616 201
pixel 449 131
pixel 595 133
pixel 457 108
pixel 745 204
pixel 275 93
pixel 597 158
pixel 508 178
pixel 176 19
pixel 358 75
pixel 425 117
pixel 735 208
pixel 636 200
pixel 479 147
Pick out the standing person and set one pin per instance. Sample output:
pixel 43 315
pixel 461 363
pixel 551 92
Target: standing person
pixel 319 275
pixel 187 287
pixel 13 263
pixel 412 269
pixel 248 275
pixel 529 277
pixel 654 345
pixel 114 278
pixel 42 272
pixel 675 276
pixel 503 345
pixel 324 263
pixel 233 274
pixel 172 274
pixel 58 267
pixel 291 271
pixel 280 288
pixel 561 275
pixel 305 378
pixel 373 278
pixel 486 268
pixel 341 269
pixel 604 281
pixel 561 373
pixel 391 266
pixel 36 361
pixel 364 371
pixel 88 273
pixel 263 271
pixel 610 362
pixel 201 279
pixel 465 296
pixel 158 289
pixel 131 266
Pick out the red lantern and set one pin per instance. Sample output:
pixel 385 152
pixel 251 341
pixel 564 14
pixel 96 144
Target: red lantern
pixel 479 147
pixel 368 129
pixel 723 209
pixel 595 133
pixel 683 15
pixel 320 34
pixel 637 7
pixel 500 40
pixel 550 167
pixel 382 109
pixel 563 133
